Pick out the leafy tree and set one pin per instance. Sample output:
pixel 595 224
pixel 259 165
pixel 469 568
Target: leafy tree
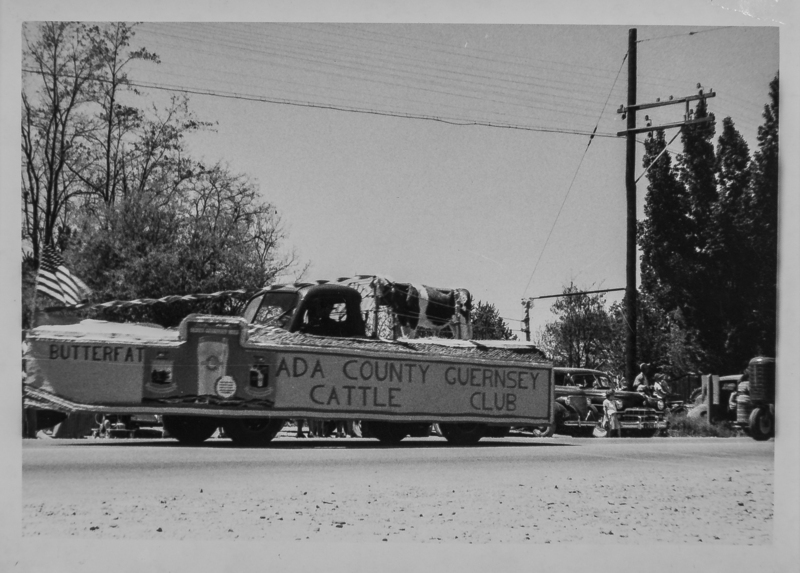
pixel 62 69
pixel 666 253
pixel 115 189
pixel 732 257
pixel 582 334
pixel 663 339
pixel 709 250
pixel 106 148
pixel 764 229
pixel 487 324
pixel 211 235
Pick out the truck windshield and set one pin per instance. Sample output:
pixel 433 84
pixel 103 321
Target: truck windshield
pixel 271 308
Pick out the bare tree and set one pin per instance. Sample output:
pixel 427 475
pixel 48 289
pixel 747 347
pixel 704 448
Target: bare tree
pixel 59 68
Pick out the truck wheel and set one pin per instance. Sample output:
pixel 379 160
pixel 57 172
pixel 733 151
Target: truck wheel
pixel 699 411
pixel 252 432
pixel 461 434
pixel 190 430
pixel 385 432
pixel 544 431
pixel 498 431
pixel 762 424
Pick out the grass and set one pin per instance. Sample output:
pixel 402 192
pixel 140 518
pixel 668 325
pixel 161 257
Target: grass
pixel 681 425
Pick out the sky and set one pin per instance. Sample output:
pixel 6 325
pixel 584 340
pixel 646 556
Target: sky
pixel 507 212
pixel 465 158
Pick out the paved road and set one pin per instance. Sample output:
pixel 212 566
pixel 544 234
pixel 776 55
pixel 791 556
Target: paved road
pixel 503 490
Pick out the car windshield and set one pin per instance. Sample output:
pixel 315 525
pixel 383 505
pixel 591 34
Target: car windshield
pixel 587 380
pixel 271 308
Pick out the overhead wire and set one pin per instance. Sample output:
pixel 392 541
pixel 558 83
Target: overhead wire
pixel 441 119
pixel 537 106
pixel 560 65
pixel 577 170
pixel 692 33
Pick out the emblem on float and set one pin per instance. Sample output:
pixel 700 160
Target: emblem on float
pixel 226 387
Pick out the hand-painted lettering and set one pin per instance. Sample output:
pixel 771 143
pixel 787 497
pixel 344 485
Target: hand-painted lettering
pixel 424 370
pixel 369 397
pixel 313 392
pixel 317 370
pixel 92 353
pixel 392 393
pixel 346 372
pixel 282 368
pixel 497 401
pixel 299 367
pixel 333 397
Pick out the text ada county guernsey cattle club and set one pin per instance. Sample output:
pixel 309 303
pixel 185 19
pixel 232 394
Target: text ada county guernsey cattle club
pixel 409 388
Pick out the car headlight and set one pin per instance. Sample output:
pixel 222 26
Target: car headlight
pixel 660 404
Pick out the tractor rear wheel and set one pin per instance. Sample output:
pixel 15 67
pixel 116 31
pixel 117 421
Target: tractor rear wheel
pixel 762 423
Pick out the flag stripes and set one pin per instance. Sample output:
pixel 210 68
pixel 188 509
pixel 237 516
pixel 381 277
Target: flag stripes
pixel 55 280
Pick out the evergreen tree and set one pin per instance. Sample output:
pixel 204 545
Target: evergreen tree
pixel 731 251
pixel 764 221
pixel 709 244
pixel 662 235
pixel 487 324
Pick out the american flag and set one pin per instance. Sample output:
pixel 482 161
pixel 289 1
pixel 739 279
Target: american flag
pixel 55 280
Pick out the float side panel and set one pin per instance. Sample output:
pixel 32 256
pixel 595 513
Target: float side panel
pixel 404 387
pixel 94 373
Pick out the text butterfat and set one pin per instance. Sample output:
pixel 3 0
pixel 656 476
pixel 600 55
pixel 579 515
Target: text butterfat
pixel 95 353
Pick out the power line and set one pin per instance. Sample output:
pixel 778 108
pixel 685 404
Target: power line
pixel 380 69
pixel 693 33
pixel 563 202
pixel 441 119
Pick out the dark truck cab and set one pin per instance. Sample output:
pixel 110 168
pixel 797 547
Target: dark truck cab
pixel 319 309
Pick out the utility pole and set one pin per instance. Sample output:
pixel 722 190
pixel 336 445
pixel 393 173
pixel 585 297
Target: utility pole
pixel 629 112
pixel 528 302
pixel 630 192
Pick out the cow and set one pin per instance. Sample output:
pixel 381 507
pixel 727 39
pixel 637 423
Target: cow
pixel 418 306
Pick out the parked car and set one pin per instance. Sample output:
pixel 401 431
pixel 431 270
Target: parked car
pixel 580 393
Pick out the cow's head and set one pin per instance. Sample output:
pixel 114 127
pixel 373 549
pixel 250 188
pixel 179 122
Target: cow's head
pixel 384 290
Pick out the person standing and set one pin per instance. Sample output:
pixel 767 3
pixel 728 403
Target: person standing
pixel 300 433
pixel 610 415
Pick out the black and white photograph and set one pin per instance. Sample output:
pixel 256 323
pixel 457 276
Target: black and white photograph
pixel 364 286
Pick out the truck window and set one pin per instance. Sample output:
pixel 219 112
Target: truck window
pixel 271 308
pixel 325 316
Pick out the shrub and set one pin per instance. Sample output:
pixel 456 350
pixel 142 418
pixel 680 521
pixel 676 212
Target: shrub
pixel 680 425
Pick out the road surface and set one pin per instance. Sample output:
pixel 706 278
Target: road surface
pixel 513 490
